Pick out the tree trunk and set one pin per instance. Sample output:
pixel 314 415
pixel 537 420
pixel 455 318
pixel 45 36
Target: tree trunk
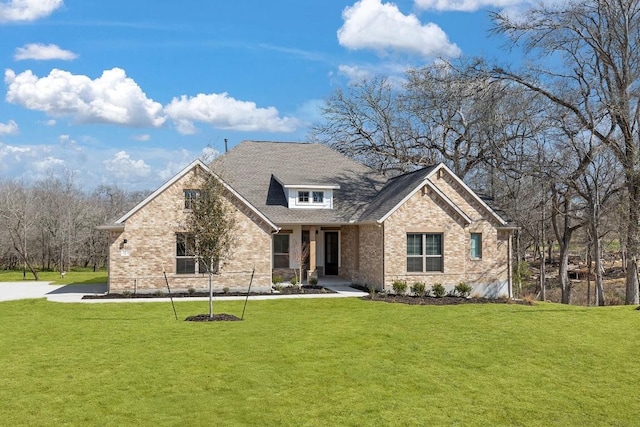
pixel 543 262
pixel 563 269
pixel 633 230
pixel 597 253
pixel 589 262
pixel 211 291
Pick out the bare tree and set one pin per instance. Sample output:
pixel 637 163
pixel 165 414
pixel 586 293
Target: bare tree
pixel 300 254
pixel 598 187
pixel 365 123
pixel 18 216
pixel 443 112
pixel 593 73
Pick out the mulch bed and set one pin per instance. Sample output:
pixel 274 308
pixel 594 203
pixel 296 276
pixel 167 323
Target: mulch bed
pixel 287 290
pixel 221 317
pixel 446 300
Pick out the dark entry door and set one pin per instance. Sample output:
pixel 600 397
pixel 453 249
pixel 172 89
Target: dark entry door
pixel 331 253
pixel 307 253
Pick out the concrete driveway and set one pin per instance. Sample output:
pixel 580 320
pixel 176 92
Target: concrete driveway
pixel 25 290
pixel 74 293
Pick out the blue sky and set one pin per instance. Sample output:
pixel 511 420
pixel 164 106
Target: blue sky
pixel 129 92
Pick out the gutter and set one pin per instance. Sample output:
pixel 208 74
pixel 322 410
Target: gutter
pixel 111 227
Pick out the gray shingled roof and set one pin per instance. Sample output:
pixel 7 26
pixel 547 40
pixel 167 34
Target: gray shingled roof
pixel 256 168
pixel 393 193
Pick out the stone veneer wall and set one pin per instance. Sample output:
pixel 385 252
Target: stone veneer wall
pixel 151 247
pixel 371 260
pixel 425 212
pixel 349 244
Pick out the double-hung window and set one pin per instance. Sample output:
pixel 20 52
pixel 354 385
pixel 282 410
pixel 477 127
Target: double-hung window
pixel 186 260
pixel 281 251
pixel 303 196
pixel 190 198
pixel 318 196
pixel 475 249
pixel 424 252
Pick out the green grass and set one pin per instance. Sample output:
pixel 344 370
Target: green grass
pixel 75 276
pixel 318 362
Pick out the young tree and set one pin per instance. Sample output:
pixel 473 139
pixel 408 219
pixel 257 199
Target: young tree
pixel 211 224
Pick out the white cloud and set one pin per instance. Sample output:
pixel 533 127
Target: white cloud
pixel 142 137
pixel 27 10
pixel 370 24
pixel 122 166
pixel 43 52
pixel 354 72
pixel 395 73
pixel 9 128
pixel 48 164
pixel 465 5
pixel 515 9
pixel 111 98
pixel 208 154
pixel 50 122
pixel 225 112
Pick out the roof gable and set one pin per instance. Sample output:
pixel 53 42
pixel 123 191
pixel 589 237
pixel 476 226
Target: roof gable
pixel 263 172
pixel 400 189
pixel 193 165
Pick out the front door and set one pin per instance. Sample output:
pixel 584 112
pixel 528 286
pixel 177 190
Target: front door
pixel 307 253
pixel 331 253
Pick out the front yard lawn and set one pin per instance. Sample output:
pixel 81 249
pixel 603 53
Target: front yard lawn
pixel 318 362
pixel 75 276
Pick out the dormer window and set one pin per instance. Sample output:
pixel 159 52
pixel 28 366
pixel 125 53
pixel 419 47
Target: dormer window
pixel 309 195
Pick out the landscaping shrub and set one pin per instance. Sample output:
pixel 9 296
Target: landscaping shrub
pixel 463 289
pixel 276 279
pixel 399 287
pixel 371 289
pixel 419 289
pixel 294 281
pixel 313 281
pixel 438 290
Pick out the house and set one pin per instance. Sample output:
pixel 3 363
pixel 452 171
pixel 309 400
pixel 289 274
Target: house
pixel 306 203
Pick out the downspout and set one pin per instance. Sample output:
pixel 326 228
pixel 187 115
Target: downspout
pixel 383 255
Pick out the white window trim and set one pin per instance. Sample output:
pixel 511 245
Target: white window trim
pixel 424 256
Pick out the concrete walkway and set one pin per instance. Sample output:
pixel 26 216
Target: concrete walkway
pixel 73 293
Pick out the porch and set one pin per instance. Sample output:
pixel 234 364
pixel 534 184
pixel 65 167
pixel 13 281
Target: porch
pixel 340 285
pixel 323 251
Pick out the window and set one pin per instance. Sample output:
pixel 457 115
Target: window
pixel 424 252
pixel 186 260
pixel 190 197
pixel 281 251
pixel 475 251
pixel 318 196
pixel 303 196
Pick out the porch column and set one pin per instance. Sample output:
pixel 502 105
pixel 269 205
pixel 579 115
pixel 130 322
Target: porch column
pixel 312 250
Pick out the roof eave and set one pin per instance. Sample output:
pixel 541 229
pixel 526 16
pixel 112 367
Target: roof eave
pixel 178 176
pixel 111 227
